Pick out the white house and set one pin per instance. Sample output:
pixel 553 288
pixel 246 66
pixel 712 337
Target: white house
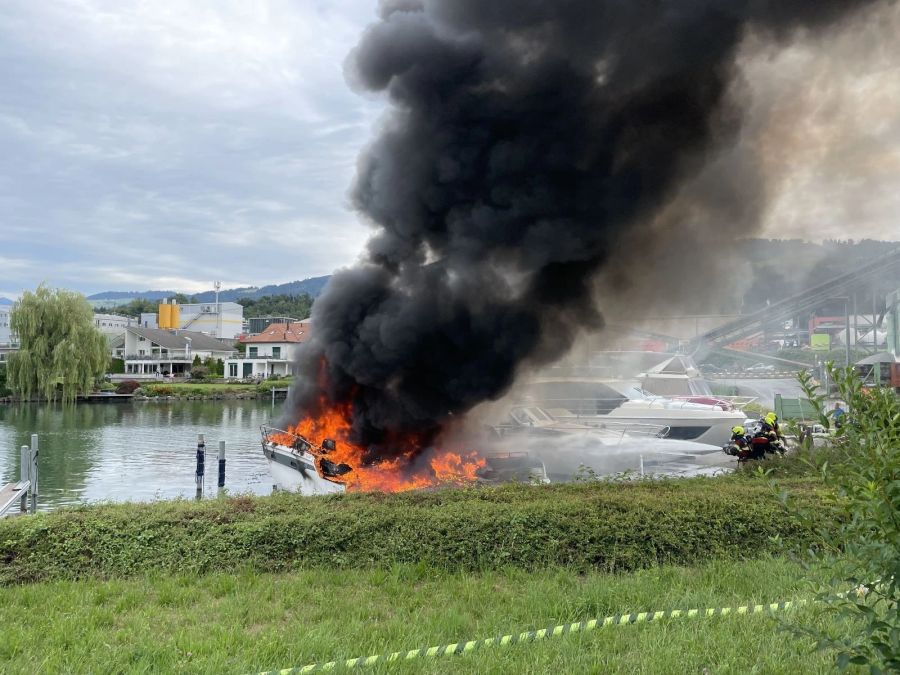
pixel 150 352
pixel 272 352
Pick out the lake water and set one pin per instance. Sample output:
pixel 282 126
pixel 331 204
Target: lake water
pixel 136 451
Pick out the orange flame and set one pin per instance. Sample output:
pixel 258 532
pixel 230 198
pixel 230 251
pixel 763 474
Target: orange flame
pixel 397 474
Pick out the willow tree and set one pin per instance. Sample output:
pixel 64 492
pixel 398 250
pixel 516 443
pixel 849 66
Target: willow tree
pixel 61 354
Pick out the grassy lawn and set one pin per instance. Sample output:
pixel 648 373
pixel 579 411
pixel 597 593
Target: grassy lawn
pixel 246 622
pixel 203 388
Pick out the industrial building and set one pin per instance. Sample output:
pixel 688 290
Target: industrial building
pixel 7 340
pixel 113 324
pixel 220 319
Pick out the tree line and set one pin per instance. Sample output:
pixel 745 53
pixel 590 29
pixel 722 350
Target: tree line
pixel 294 306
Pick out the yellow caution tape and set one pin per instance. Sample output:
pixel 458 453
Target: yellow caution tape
pixel 457 648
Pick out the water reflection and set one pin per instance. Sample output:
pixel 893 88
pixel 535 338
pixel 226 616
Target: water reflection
pixel 135 451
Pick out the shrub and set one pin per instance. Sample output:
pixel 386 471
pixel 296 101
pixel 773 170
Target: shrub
pixel 596 525
pixel 4 390
pixel 154 390
pixel 127 387
pixel 216 367
pixel 863 554
pixel 199 372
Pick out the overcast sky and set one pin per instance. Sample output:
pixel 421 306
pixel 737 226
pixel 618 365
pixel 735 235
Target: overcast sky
pixel 165 144
pixel 168 143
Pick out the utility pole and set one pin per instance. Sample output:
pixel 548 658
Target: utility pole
pixel 217 285
pixel 847 318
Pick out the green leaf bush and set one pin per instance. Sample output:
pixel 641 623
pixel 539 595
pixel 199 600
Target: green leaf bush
pixel 606 526
pixel 862 555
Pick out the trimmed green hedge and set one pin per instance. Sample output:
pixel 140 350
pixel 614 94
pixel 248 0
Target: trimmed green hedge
pixel 607 526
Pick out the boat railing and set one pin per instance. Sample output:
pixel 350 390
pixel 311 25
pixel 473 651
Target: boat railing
pixel 592 407
pixel 566 420
pixel 739 402
pixel 733 402
pixel 297 442
pixel 633 429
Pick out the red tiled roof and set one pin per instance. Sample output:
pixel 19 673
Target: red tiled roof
pixel 282 332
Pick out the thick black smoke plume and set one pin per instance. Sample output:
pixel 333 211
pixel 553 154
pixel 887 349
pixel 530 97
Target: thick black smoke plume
pixel 526 138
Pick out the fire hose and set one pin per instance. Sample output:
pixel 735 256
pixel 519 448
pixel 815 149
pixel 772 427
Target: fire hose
pixel 458 648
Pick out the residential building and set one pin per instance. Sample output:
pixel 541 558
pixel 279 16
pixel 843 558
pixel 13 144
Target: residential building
pixel 112 324
pixel 223 320
pixel 8 342
pixel 151 352
pixel 271 353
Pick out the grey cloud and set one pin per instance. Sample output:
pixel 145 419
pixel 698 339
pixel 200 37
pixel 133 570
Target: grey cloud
pixel 182 141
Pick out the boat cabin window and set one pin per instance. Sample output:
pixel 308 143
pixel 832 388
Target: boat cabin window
pixel 581 398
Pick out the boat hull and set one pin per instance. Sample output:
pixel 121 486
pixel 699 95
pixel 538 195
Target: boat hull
pixel 295 471
pixel 711 427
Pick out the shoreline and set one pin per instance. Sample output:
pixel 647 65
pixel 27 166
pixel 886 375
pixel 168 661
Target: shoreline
pixel 248 394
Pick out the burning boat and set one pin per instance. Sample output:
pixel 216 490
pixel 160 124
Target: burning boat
pixel 299 465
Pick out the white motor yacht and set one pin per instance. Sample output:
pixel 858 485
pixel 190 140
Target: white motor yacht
pixel 569 448
pixel 592 403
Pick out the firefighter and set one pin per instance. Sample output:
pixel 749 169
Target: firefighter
pixel 739 444
pixel 739 435
pixel 772 431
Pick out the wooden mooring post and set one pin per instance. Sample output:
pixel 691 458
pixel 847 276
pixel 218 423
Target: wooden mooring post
pixel 33 478
pixel 221 464
pixel 201 464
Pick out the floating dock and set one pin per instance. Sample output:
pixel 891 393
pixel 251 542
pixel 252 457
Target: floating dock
pixel 24 491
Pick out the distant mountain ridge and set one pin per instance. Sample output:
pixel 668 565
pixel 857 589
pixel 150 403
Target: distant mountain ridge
pixel 312 287
pixel 6 301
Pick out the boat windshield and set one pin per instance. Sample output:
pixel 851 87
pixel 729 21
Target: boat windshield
pixel 531 417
